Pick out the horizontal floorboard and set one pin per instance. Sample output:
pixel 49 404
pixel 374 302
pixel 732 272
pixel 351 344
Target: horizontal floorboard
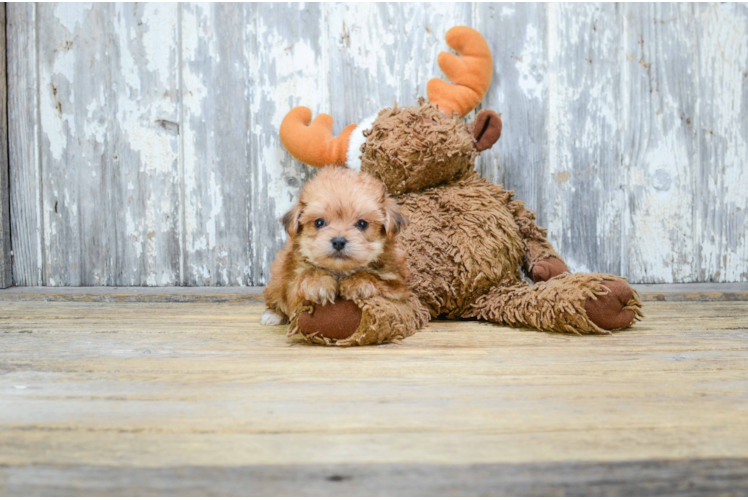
pixel 637 478
pixel 704 292
pixel 168 398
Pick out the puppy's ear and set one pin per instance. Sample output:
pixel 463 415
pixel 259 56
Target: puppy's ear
pixel 291 220
pixel 394 220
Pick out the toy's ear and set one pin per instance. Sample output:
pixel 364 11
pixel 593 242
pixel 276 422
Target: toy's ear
pixel 486 129
pixel 394 220
pixel 292 219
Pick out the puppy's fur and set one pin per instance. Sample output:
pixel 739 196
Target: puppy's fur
pixel 351 210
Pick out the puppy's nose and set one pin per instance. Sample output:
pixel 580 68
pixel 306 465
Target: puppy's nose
pixel 338 243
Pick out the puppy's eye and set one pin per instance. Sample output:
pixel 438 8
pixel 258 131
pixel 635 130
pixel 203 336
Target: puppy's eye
pixel 319 223
pixel 362 225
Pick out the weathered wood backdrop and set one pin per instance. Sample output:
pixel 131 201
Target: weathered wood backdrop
pixel 144 146
pixel 6 276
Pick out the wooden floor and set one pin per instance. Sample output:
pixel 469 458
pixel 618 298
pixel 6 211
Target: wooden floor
pixel 195 397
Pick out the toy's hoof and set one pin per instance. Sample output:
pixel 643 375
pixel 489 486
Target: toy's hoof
pixel 608 311
pixel 338 321
pixel 547 269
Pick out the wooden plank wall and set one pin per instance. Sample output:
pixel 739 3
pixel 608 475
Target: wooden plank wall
pixel 144 146
pixel 6 276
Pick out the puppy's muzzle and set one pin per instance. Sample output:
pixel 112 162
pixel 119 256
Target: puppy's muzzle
pixel 338 243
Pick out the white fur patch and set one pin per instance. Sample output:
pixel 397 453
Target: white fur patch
pixel 353 157
pixel 272 318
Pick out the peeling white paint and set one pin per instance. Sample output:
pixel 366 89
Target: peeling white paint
pixel 52 122
pixel 216 207
pixel 532 77
pixel 72 15
pixel 724 67
pixel 615 161
pixel 158 39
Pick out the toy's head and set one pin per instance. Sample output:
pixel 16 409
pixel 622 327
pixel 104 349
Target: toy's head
pixel 415 147
pixel 411 147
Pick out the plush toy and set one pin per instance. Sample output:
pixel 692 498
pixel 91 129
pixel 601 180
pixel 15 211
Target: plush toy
pixel 468 238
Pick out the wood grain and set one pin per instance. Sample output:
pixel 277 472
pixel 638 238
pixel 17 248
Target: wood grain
pixel 215 131
pixel 6 273
pixel 23 146
pixel 519 91
pixel 692 292
pixel 287 65
pixel 144 146
pixel 409 35
pixel 96 391
pixel 632 478
pixel 722 134
pixel 582 197
pixel 109 107
pixel 659 125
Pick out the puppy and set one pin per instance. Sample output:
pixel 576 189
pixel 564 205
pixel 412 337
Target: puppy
pixel 341 243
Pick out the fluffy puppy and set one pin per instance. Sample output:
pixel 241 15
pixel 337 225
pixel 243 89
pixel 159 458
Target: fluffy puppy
pixel 341 243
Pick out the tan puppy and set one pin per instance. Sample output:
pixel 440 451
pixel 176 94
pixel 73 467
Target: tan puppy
pixel 341 243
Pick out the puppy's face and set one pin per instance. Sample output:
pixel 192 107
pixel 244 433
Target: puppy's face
pixel 343 219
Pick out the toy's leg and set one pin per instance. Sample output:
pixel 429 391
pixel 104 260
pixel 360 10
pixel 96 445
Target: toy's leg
pixel 575 303
pixel 345 323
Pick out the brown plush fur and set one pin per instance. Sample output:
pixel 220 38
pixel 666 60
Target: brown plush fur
pixel 466 243
pixel 469 238
pixel 382 321
pixel 557 305
pixel 465 238
pixel 411 148
pixel 339 203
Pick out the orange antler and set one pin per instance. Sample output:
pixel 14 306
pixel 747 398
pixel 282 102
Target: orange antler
pixel 314 144
pixel 470 72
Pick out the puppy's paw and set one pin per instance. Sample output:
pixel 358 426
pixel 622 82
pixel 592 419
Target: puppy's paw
pixel 272 318
pixel 359 287
pixel 320 289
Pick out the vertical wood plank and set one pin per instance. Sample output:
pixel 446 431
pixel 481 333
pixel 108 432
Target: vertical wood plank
pixel 217 167
pixel 517 35
pixel 109 131
pixel 288 65
pixel 660 146
pixel 721 183
pixel 23 146
pixel 6 275
pixel 145 177
pixel 582 194
pixel 74 64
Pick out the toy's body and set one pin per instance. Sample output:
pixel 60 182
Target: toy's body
pixel 468 238
pixel 466 244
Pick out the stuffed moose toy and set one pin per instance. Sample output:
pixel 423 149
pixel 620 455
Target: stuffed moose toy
pixel 467 238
